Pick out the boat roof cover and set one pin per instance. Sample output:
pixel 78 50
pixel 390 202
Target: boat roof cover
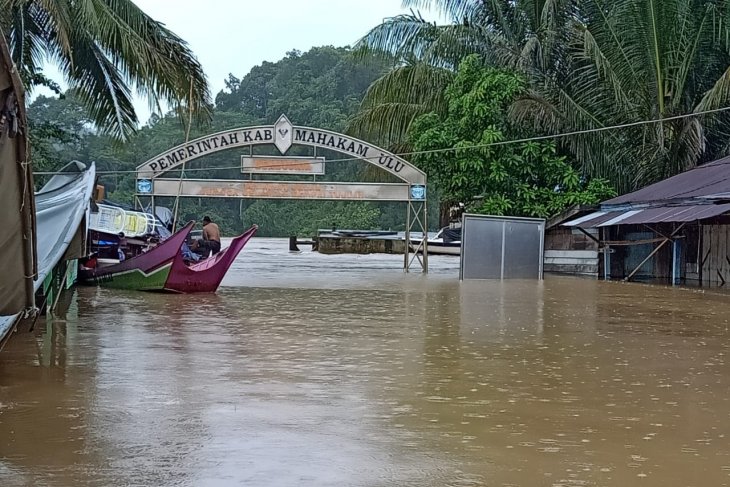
pixel 17 258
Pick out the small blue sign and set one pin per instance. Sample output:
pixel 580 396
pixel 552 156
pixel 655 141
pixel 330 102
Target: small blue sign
pixel 418 192
pixel 144 186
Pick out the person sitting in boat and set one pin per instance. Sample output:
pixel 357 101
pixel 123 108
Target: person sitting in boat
pixel 151 243
pixel 90 262
pixel 211 235
pixel 122 246
pixel 188 254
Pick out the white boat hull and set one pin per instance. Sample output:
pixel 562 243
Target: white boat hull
pixel 438 247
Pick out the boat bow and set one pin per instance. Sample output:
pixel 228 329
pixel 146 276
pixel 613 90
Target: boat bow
pixel 206 276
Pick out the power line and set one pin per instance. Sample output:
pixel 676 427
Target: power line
pixel 576 132
pixel 453 149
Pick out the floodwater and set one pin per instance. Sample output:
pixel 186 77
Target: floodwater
pixel 314 370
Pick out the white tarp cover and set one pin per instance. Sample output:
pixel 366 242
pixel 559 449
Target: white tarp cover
pixel 61 206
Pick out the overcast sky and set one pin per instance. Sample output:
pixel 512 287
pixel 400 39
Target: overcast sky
pixel 232 36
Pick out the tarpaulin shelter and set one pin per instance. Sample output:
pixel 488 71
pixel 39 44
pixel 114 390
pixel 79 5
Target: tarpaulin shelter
pixel 17 259
pixel 62 210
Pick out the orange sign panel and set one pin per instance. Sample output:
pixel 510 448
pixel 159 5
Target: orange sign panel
pixel 286 190
pixel 282 165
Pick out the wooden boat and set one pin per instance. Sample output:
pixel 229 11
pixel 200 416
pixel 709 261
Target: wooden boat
pixel 437 246
pixel 205 276
pixel 443 243
pixel 148 271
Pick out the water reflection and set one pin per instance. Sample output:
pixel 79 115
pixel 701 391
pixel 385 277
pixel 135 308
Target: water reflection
pixel 341 370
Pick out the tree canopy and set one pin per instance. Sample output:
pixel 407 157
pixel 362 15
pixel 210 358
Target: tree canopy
pixel 320 88
pixel 588 64
pixel 511 179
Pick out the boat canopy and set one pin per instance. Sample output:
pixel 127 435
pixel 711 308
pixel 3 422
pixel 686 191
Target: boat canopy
pixel 112 219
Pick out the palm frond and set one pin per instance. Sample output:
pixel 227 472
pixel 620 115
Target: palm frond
pixel 604 71
pixel 396 99
pixel 157 62
pixel 386 124
pixel 403 36
pixel 718 95
pixel 419 83
pixel 101 88
pixel 125 49
pixel 455 10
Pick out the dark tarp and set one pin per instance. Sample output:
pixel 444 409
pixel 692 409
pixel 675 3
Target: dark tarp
pixel 17 258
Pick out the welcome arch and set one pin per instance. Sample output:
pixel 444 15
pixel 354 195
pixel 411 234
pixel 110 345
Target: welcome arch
pixel 283 135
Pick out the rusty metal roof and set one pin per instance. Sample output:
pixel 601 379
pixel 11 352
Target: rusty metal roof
pixel 661 214
pixel 708 179
pixel 686 197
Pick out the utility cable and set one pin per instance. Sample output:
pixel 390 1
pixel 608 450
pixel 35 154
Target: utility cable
pixel 454 149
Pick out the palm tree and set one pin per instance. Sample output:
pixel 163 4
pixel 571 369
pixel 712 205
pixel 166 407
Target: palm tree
pixel 637 60
pixel 523 35
pixel 592 64
pixel 396 99
pixel 105 48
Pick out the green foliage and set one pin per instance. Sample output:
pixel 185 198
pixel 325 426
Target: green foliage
pixel 304 218
pixel 526 179
pixel 586 65
pixel 319 88
pixel 104 49
pixel 57 127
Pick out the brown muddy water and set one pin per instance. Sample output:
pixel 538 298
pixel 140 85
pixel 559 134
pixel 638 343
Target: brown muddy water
pixel 313 370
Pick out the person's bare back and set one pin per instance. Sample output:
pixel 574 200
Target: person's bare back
pixel 211 231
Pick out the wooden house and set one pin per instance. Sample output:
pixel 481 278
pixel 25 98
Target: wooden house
pixel 571 250
pixel 674 231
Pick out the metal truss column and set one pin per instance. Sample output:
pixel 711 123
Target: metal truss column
pixel 416 250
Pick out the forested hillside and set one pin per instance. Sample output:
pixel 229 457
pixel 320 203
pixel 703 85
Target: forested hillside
pixel 320 88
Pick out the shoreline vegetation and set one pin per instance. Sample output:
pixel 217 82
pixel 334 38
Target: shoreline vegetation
pixel 450 97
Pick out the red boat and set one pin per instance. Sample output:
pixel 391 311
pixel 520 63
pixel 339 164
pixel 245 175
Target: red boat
pixel 205 276
pixel 147 271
